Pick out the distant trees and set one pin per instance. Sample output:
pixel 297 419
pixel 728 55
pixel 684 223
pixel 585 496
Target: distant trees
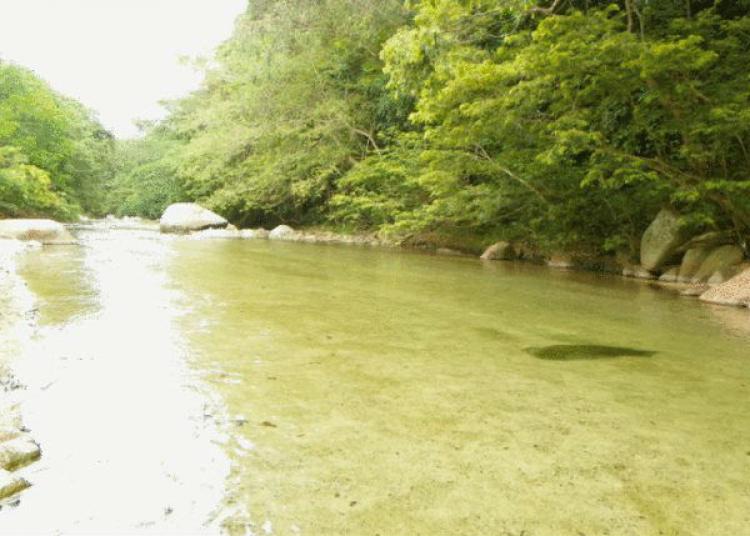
pixel 54 155
pixel 567 124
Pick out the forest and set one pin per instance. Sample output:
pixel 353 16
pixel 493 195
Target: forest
pixel 566 124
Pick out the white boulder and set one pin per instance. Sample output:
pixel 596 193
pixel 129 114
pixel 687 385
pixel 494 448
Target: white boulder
pixel 184 218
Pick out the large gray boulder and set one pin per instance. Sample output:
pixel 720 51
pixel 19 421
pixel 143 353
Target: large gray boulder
pixel 499 251
pixel 725 274
pixel 736 291
pixel 44 231
pixel 182 218
pixel 691 263
pixel 719 259
pixel 661 240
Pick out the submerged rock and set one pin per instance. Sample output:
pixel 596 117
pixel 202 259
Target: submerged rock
pixel 44 231
pixel 563 262
pixel 19 451
pixel 187 217
pixel 572 352
pixel 661 240
pixel 736 291
pixel 282 232
pixel 216 233
pixel 131 223
pixel 499 251
pixel 448 252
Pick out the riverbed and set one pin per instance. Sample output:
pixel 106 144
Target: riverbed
pixel 260 387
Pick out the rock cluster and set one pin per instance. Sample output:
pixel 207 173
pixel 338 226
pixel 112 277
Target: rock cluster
pixel 17 450
pixel 668 252
pixel 710 265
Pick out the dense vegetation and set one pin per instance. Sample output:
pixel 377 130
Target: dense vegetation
pixel 55 158
pixel 565 123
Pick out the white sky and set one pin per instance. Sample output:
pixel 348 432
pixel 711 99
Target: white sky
pixel 118 57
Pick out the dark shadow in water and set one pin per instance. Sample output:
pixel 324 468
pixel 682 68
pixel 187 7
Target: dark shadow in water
pixel 574 352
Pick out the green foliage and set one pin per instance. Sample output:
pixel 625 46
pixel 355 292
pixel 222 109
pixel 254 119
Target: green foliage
pixel 56 156
pixel 145 178
pixel 25 189
pixel 563 123
pixel 575 131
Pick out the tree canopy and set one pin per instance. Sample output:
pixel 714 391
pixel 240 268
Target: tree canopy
pixel 55 157
pixel 565 123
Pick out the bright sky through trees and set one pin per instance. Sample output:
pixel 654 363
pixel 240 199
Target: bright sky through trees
pixel 119 57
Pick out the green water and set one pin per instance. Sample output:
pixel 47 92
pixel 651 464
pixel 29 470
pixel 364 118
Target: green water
pixel 342 390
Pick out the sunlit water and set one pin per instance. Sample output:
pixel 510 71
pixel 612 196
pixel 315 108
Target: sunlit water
pixel 255 387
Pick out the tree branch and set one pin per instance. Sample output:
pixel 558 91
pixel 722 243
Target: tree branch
pixel 546 10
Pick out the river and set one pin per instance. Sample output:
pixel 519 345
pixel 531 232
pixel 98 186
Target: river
pixel 185 386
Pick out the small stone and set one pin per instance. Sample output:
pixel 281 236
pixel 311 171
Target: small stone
pixel 11 484
pixel 637 272
pixel 694 291
pixel 216 233
pixel 282 232
pixel 670 275
pixel 261 233
pixel 499 251
pixel 18 452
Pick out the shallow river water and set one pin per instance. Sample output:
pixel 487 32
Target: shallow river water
pixel 256 387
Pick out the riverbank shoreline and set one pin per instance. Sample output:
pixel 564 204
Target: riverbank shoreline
pixel 608 265
pixel 17 448
pixel 450 247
